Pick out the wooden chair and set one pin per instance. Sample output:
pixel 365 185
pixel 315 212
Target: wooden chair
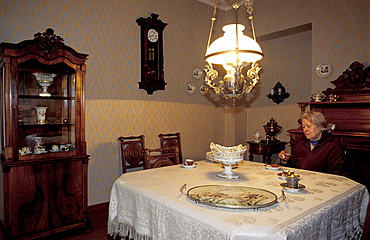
pixel 132 152
pixel 161 157
pixel 170 140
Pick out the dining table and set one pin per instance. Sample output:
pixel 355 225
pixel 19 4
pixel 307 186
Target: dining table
pixel 157 204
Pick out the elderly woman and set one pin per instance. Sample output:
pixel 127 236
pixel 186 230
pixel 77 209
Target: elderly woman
pixel 316 150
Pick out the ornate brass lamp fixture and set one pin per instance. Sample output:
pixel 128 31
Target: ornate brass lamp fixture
pixel 234 51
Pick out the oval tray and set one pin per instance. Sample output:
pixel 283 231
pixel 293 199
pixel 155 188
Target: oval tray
pixel 227 196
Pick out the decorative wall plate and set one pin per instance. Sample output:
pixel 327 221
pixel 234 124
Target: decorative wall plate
pixel 190 88
pixel 203 89
pixel 197 73
pixel 324 69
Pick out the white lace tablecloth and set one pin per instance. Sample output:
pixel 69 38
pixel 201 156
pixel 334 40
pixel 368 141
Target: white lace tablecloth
pixel 148 205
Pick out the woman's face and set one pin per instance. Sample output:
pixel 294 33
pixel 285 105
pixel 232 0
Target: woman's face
pixel 311 131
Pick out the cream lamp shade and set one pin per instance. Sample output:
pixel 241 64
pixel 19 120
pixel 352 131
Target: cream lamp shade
pixel 224 49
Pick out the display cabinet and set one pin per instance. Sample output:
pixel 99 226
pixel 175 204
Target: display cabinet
pixel 43 148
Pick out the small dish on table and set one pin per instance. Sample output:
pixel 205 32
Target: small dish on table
pixel 189 167
pixel 292 190
pixel 274 167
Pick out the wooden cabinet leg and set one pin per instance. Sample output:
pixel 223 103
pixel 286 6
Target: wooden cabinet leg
pixel 87 223
pixel 251 157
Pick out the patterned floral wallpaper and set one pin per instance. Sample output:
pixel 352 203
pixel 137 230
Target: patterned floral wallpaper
pixel 107 31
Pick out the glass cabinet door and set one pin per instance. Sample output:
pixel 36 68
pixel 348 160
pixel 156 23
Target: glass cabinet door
pixel 46 108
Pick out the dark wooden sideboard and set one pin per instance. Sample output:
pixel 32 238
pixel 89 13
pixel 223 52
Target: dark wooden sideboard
pixel 350 111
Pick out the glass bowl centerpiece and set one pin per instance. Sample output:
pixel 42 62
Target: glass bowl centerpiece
pixel 44 80
pixel 228 157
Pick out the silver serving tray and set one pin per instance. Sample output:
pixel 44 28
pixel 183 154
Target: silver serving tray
pixel 227 196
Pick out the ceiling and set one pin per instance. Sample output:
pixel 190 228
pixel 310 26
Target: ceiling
pixel 222 4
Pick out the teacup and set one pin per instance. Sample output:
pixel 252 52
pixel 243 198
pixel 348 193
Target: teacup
pixel 318 97
pixel 189 162
pixel 63 147
pixel 292 180
pixel 273 166
pixel 26 149
pixel 21 152
pixel 284 173
pixel 55 148
pixel 39 149
pixel 286 156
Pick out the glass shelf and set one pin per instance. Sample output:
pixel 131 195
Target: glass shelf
pixel 46 98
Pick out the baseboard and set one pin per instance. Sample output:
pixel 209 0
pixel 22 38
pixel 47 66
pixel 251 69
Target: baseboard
pixel 98 207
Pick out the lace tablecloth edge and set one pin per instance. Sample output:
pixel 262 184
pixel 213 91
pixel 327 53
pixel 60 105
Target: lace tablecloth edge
pixel 122 230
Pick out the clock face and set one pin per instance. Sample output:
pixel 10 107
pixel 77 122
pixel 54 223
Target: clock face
pixel 152 35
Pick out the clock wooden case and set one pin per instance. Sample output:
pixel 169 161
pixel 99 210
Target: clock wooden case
pixel 152 60
pixel 44 164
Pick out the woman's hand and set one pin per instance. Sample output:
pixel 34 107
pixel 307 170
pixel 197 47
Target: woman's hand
pixel 282 154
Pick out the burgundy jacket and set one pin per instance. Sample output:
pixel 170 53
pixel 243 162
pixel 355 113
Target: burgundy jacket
pixel 327 156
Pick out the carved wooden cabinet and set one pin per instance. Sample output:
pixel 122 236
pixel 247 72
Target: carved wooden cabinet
pixel 43 152
pixel 348 107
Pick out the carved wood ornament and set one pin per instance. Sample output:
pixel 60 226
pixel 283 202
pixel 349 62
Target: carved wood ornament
pixel 48 40
pixel 353 84
pixel 356 77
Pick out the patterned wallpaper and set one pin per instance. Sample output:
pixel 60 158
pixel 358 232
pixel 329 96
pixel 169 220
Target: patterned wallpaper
pixel 340 35
pixel 107 31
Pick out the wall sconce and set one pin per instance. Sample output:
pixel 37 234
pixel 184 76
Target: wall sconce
pixel 278 93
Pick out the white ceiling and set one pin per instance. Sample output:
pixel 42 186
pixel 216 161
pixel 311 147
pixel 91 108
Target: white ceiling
pixel 222 4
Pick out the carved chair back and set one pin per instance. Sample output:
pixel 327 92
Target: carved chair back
pixel 171 140
pixel 132 152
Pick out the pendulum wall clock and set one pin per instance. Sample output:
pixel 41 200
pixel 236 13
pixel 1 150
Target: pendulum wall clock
pixel 152 61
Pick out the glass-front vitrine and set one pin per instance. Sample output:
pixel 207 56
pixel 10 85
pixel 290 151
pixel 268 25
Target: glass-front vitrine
pixel 43 149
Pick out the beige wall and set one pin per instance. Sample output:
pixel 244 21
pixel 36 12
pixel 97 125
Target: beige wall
pixel 107 31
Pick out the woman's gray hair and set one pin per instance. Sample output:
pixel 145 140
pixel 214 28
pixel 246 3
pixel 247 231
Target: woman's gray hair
pixel 319 120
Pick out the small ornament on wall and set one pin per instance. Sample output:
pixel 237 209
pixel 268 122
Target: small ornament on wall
pixel 203 89
pixel 190 88
pixel 324 69
pixel 197 73
pixel 278 93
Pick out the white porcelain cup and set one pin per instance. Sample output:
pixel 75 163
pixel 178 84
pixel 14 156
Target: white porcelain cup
pixel 55 148
pixel 189 162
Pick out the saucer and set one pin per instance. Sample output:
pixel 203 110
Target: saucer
pixel 281 177
pixel 293 190
pixel 273 168
pixel 54 151
pixel 189 167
